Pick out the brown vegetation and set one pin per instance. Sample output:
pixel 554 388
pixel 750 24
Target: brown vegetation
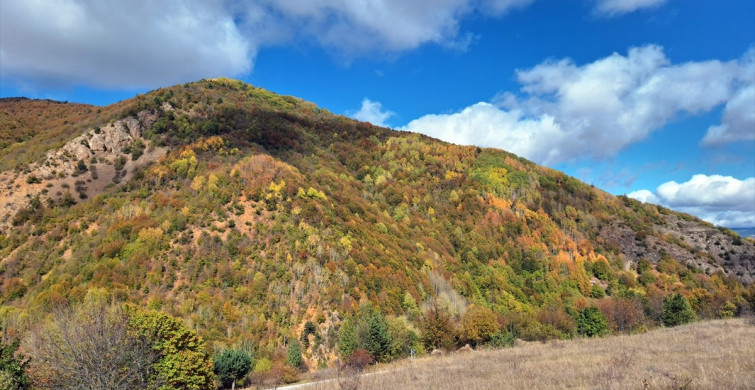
pixel 710 355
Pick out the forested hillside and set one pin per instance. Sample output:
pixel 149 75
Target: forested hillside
pixel 260 219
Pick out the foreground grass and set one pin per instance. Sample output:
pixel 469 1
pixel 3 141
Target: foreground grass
pixel 707 355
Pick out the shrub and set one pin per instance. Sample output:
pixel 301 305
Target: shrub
pixel 119 162
pixel 591 322
pixel 263 365
pixel 12 367
pixel 359 359
pixel 502 340
pixel 137 149
pixel 232 365
pixel 597 292
pixel 676 311
pixel 81 167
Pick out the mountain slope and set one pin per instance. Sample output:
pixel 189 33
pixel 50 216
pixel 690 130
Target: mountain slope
pixel 248 214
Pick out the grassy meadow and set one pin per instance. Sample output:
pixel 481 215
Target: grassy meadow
pixel 706 355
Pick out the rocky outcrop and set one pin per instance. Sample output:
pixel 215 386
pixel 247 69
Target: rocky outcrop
pixel 107 141
pixel 691 242
pixel 59 172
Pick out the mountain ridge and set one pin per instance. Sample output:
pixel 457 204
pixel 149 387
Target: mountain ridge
pixel 248 213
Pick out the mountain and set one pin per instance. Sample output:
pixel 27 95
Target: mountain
pixel 745 232
pixel 258 218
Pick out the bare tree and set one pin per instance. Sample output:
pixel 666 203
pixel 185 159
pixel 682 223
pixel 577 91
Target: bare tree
pixel 90 348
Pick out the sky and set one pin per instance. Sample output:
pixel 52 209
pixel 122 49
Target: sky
pixel 654 99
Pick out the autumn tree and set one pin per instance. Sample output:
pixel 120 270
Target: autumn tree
pixel 91 347
pixel 438 328
pixel 478 324
pixel 182 361
pixel 109 346
pixel 624 314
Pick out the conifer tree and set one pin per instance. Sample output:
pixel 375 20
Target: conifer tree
pixel 677 311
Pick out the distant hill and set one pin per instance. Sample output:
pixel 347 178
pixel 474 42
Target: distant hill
pixel 252 215
pixel 745 232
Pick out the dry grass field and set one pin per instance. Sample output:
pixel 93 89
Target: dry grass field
pixel 706 355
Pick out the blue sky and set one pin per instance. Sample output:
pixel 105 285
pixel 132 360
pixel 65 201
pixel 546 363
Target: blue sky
pixel 650 98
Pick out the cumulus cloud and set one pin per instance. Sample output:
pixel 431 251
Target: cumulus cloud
pixel 484 124
pixel 566 111
pixel 617 7
pixel 372 112
pixel 119 44
pixel 738 122
pixel 145 43
pixel 644 196
pixel 721 200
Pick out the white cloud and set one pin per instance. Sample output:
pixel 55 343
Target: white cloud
pixel 142 43
pixel 372 112
pixel 738 122
pixel 721 200
pixel 359 27
pixel 484 124
pixel 617 7
pixel 566 111
pixel 644 196
pixel 119 44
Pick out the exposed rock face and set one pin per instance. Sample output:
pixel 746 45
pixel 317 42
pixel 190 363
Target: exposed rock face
pixel 56 172
pixel 108 141
pixel 693 243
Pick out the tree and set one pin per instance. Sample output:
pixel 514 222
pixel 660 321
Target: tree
pixel 90 347
pixel 293 354
pixel 367 330
pixel 232 365
pixel 677 311
pixel 182 361
pixel 438 328
pixel 479 324
pixel 309 328
pixel 348 340
pixel 591 322
pixel 12 367
pixel 109 346
pixel 377 341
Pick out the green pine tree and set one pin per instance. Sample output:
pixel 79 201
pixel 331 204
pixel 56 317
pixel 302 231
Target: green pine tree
pixel 378 340
pixel 591 322
pixel 677 311
pixel 293 355
pixel 232 365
